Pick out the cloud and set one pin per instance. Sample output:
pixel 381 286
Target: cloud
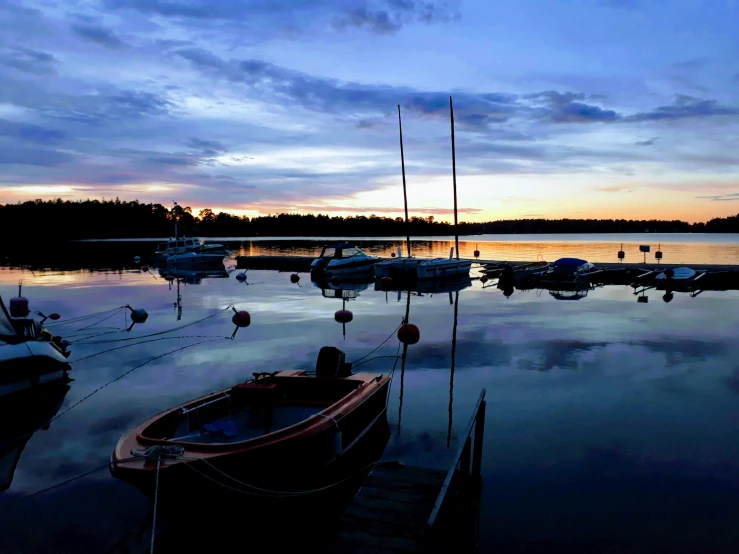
pixel 98 34
pixel 567 108
pixel 29 132
pixel 16 154
pixel 721 197
pixel 28 60
pixel 615 188
pixel 209 148
pixel 649 142
pixel 375 16
pixel 684 107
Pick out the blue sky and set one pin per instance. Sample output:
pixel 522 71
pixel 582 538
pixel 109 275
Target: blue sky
pixel 563 108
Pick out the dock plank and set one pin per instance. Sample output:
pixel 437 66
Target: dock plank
pixel 390 511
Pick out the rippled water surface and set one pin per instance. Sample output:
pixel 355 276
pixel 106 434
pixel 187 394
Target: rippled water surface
pixel 611 423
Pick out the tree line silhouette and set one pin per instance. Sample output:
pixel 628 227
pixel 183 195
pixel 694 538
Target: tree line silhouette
pixel 59 220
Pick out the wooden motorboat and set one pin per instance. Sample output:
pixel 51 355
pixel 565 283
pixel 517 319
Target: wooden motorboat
pixel 30 356
pixel 277 432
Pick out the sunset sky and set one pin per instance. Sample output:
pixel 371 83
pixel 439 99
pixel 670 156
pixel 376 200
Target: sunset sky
pixel 563 108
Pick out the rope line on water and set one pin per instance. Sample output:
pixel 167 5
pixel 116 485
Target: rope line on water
pixel 375 358
pixel 161 332
pixel 82 317
pixel 126 373
pixel 381 344
pixel 147 341
pixel 104 319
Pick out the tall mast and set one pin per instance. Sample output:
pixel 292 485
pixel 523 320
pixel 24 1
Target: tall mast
pixel 174 214
pixel 454 181
pixel 405 195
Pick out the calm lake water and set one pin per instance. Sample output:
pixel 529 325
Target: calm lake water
pixel 611 424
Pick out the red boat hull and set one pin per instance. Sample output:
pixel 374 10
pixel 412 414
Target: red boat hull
pixel 303 457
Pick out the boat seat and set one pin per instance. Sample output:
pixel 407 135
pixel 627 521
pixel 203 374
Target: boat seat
pixel 254 392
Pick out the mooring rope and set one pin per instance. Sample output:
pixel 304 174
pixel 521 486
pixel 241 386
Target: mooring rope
pixel 147 341
pixel 82 318
pixel 126 373
pixel 381 344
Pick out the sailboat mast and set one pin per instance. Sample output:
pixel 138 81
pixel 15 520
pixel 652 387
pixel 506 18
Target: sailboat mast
pixel 405 195
pixel 454 181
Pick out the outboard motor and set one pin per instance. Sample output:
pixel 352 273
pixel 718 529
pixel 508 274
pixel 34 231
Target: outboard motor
pixel 332 364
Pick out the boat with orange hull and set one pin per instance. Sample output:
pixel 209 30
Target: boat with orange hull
pixel 278 433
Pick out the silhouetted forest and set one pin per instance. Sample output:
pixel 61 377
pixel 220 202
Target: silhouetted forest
pixel 52 221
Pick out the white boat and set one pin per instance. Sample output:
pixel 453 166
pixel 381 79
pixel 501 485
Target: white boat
pixel 678 279
pixel 341 260
pixel 421 268
pixel 182 245
pixel 30 356
pixel 678 274
pixel 196 260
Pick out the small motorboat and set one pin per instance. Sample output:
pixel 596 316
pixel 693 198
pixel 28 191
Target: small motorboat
pixel 342 260
pixel 181 245
pixel 276 433
pixel 194 276
pixel 569 269
pixel 422 268
pixel 193 260
pixel 30 356
pixel 679 278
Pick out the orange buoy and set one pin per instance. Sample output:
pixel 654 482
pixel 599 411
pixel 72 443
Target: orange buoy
pixel 483 279
pixel 343 316
pixel 658 253
pixel 621 253
pixel 392 254
pixel 169 278
pixel 409 334
pixel 54 316
pixel 241 276
pixel 294 278
pixel 145 268
pixel 19 304
pixel 476 252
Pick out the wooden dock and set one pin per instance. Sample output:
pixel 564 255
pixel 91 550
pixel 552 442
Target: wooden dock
pixel 302 264
pixel 404 509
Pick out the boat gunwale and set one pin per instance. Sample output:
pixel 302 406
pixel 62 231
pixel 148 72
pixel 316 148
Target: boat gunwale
pixel 321 420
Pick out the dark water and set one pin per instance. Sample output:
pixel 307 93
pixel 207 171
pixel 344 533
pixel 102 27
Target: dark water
pixel 611 424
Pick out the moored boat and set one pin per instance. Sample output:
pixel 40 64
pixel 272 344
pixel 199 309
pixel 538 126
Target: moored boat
pixel 569 269
pixel 275 433
pixel 342 260
pixel 30 356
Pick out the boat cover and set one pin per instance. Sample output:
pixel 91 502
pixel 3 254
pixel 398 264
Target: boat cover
pixel 566 262
pixel 7 331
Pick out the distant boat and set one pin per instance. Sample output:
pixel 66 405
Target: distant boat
pixel 30 356
pixel 183 245
pixel 193 260
pixel 421 268
pixel 275 431
pixel 342 259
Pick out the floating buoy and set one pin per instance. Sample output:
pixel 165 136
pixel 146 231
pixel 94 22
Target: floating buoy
pixel 139 315
pixel 409 334
pixel 483 279
pixel 241 319
pixel 136 259
pixel 392 254
pixel 54 316
pixel 476 252
pixel 294 278
pixel 508 292
pixel 658 253
pixel 386 282
pixel 19 304
pixel 621 253
pixel 241 276
pixel 145 268
pixel 169 278
pixel 335 280
pixel 343 316
pixel 668 297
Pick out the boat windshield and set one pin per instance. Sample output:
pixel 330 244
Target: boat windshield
pixel 328 253
pixel 6 327
pixel 349 252
pixel 196 242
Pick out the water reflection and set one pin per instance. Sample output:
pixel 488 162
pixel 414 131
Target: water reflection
pixel 22 415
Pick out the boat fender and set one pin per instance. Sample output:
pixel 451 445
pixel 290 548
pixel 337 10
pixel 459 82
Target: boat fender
pixel 139 315
pixel 19 305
